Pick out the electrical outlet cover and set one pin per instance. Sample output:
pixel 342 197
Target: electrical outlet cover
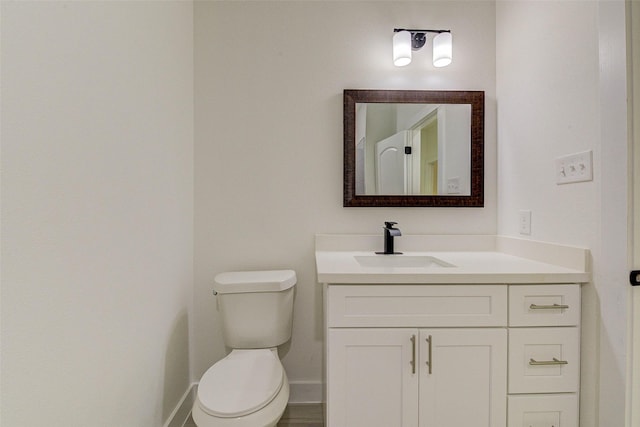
pixel 453 185
pixel 524 222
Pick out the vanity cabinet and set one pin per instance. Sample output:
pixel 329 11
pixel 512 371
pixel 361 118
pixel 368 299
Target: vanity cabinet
pixel 416 355
pixel 452 355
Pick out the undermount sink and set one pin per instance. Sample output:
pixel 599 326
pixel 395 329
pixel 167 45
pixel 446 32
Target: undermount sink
pixel 401 261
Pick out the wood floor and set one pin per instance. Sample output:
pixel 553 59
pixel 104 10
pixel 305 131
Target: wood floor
pixel 296 415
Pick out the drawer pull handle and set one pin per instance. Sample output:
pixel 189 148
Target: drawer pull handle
pixel 430 362
pixel 548 307
pixel 555 361
pixel 413 351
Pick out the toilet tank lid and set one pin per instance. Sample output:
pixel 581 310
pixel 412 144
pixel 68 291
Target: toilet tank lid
pixel 236 282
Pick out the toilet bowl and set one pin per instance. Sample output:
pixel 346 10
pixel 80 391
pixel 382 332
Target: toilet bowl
pixel 249 387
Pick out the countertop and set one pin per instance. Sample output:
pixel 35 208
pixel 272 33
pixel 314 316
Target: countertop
pixel 493 259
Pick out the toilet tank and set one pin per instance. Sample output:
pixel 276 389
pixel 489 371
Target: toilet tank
pixel 256 307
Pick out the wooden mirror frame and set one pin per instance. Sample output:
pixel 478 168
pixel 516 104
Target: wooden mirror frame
pixel 474 98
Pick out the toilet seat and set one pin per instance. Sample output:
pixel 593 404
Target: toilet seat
pixel 243 382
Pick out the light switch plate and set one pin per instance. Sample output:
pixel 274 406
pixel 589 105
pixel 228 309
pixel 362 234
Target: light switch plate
pixel 576 167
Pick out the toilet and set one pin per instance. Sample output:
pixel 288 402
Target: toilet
pixel 249 387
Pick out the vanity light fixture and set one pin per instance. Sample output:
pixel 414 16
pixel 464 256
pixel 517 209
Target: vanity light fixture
pixel 406 41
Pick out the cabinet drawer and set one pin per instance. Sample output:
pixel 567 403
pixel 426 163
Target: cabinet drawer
pixel 544 360
pixel 536 305
pixel 543 410
pixel 416 305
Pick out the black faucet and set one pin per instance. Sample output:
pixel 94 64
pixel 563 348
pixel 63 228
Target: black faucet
pixel 389 234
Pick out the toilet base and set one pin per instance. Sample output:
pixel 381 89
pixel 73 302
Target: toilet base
pixel 265 417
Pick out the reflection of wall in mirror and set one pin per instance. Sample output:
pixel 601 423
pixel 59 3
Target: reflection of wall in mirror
pixel 380 124
pixel 454 127
pixel 361 130
pixel 360 189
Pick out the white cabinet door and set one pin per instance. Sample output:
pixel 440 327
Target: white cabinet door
pixel 371 379
pixel 463 377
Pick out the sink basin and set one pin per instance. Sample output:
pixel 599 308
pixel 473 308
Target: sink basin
pixel 401 261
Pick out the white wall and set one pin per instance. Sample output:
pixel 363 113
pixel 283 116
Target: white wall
pixel 268 139
pixel 97 211
pixel 561 90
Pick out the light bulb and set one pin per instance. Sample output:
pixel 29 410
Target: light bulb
pixel 401 48
pixel 442 49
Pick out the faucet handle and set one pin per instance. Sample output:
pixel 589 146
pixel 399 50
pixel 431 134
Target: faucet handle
pixel 389 224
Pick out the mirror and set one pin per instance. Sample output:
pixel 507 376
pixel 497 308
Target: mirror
pixel 413 148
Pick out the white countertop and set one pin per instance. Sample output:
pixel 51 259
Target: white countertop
pixel 494 259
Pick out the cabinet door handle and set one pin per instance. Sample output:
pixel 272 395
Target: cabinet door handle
pixel 429 359
pixel 554 361
pixel 548 307
pixel 413 352
pixel 634 278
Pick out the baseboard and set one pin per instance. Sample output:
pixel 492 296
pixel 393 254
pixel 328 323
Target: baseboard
pixel 305 392
pixel 183 409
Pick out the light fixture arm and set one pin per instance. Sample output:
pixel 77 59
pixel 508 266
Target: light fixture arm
pixel 406 41
pixel 395 30
pixel 419 37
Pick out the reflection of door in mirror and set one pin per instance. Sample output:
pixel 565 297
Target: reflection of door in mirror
pixel 412 171
pixel 425 137
pixel 391 167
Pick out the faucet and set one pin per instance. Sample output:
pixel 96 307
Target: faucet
pixel 389 234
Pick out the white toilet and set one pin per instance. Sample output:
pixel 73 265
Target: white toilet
pixel 249 387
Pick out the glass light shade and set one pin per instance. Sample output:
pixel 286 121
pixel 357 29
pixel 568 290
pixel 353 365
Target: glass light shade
pixel 442 49
pixel 401 48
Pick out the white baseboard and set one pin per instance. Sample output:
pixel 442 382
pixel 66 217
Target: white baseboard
pixel 305 392
pixel 183 409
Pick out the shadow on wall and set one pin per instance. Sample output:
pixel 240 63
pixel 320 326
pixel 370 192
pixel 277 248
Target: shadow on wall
pixel 176 367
